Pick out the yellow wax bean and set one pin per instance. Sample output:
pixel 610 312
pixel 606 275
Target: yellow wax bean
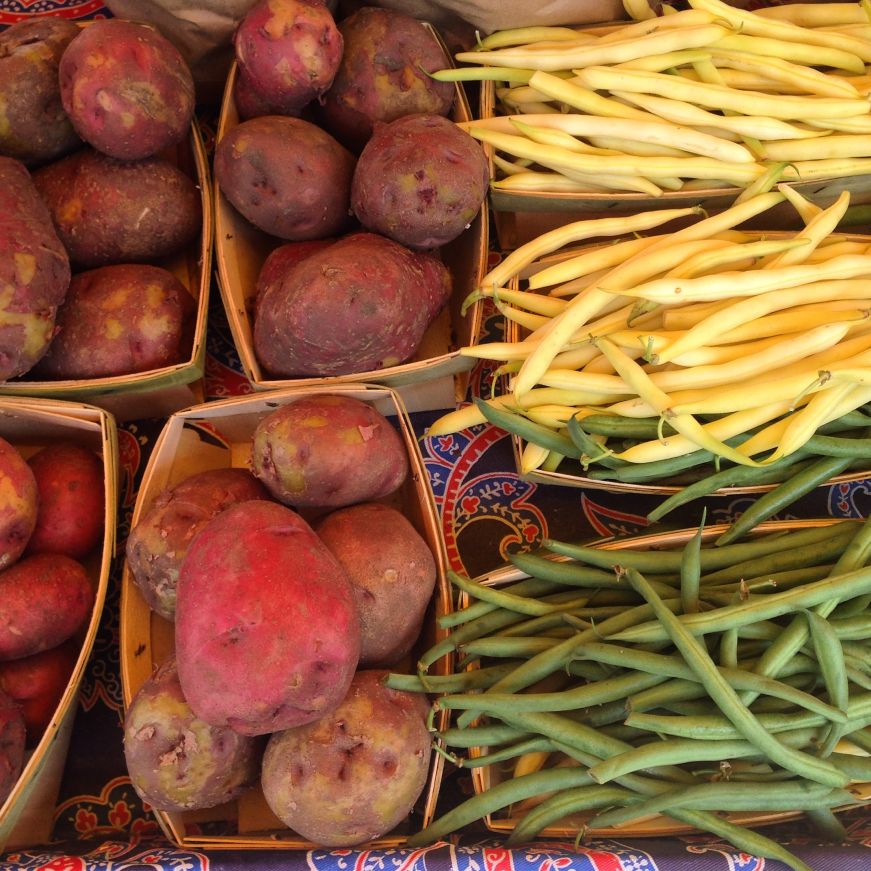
pixel 534 302
pixel 592 382
pixel 721 97
pixel 684 18
pixel 817 230
pixel 553 136
pixel 776 50
pixel 526 319
pixel 760 127
pixel 838 145
pixel 535 108
pixel 805 208
pixel 753 25
pixel 554 182
pixel 722 428
pixel 553 416
pixel 750 283
pixel 744 81
pixel 642 149
pixel 510 167
pixel 835 167
pixel 860 124
pixel 576 358
pixel 524 35
pixel 568 56
pixel 685 316
pixel 837 249
pixel 551 241
pixel 586 304
pixel 520 95
pixel 815 14
pixel 715 354
pixel 713 259
pixel 744 310
pixel 791 321
pixel 506 351
pixel 658 62
pixel 622 182
pixel 532 457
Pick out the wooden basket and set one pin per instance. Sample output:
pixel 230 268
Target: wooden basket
pixel 157 392
pixel 483 778
pixel 436 376
pixel 27 815
pixel 218 435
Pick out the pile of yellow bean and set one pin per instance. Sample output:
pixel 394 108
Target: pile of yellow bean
pixel 711 97
pixel 710 330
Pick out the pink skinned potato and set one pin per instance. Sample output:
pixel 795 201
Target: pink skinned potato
pixel 126 89
pixel 362 304
pixel 420 181
pixel 44 600
pixel 34 270
pixel 70 481
pixel 158 543
pixel 286 176
pixel 113 211
pixel 19 505
pixel 288 51
pixel 175 760
pixel 393 574
pixel 383 75
pixel 34 128
pixel 260 647
pixel 12 738
pixel 119 320
pixel 357 772
pixel 328 451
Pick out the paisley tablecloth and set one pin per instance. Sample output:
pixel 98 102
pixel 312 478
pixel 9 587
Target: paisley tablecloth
pixel 487 511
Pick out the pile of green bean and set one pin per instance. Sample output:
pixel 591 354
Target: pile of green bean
pixel 684 681
pixel 840 446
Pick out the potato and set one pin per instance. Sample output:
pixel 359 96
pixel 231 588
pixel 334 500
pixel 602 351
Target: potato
pixel 420 180
pixel 383 75
pixel 37 683
pixel 44 599
pixel 362 304
pixel 34 128
pixel 283 258
pixel 286 176
pixel 328 451
pixel 356 773
pixel 126 89
pixel 392 571
pixel 266 631
pixel 19 505
pixel 119 320
pixel 34 270
pixel 175 760
pixel 158 542
pixel 112 211
pixel 288 51
pixel 12 737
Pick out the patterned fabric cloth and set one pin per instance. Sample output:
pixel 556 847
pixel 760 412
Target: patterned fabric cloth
pixel 487 511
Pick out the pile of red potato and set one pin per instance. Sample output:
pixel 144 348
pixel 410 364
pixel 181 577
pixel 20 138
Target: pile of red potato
pixel 285 627
pixel 51 518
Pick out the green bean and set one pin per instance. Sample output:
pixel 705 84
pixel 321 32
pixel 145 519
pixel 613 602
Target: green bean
pixel 529 745
pixel 508 601
pixel 731 476
pixel 858 767
pixel 528 587
pixel 785 494
pixel 859 605
pixel 718 728
pixel 690 571
pixel 782 580
pixel 521 426
pixel 590 449
pixel 662 561
pixel 830 656
pixel 726 698
pixel 478 678
pixel 615 426
pixel 855 628
pixel 758 608
pixel 567 573
pixel 497 797
pixel 481 736
pixel 655 470
pixel 833 446
pixel 861 739
pixel 782 796
pixel 827 824
pixel 675 667
pixel 561 805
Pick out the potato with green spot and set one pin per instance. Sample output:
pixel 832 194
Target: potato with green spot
pixel 328 451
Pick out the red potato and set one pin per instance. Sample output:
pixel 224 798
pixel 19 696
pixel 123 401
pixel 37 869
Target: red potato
pixel 12 738
pixel 420 181
pixel 267 633
pixel 383 75
pixel 18 506
pixel 281 260
pixel 328 451
pixel 176 761
pixel 37 683
pixel 158 543
pixel 393 574
pixel 126 89
pixel 44 600
pixel 288 52
pixel 70 481
pixel 354 774
pixel 286 176
pixel 34 128
pixel 113 211
pixel 119 320
pixel 34 270
pixel 362 304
